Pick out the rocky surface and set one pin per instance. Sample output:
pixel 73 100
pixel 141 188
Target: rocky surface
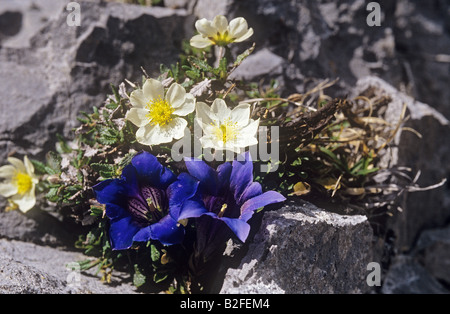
pixel 303 249
pixel 30 268
pixel 50 71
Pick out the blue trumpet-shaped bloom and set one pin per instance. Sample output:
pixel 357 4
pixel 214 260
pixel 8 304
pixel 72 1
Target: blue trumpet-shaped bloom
pixel 229 194
pixel 147 202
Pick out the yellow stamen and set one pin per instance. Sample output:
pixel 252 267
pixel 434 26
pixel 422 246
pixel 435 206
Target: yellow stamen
pixel 227 132
pixel 159 111
pixel 23 182
pixel 221 39
pixel 222 210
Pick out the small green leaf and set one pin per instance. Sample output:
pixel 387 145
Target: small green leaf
pixel 138 277
pixel 155 254
pixel 158 277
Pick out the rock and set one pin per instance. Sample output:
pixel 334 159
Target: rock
pixel 303 249
pixel 60 70
pixel 433 252
pixel 428 155
pixel 259 65
pixel 31 268
pixel 407 276
pixel 75 66
pixel 37 227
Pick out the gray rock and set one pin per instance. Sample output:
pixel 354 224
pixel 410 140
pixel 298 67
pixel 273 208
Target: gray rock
pixel 407 276
pixel 261 64
pixel 30 268
pixel 302 249
pixel 433 251
pixel 60 70
pixel 66 68
pixel 428 155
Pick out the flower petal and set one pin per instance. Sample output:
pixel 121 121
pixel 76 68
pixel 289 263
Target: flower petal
pixel 137 99
pixel 115 212
pixel 121 233
pixel 220 109
pixel 204 114
pixel 111 191
pixel 179 191
pixel 239 227
pixel 253 190
pixel 143 235
pixel 204 173
pixel 26 201
pixel 7 171
pixel 150 169
pixel 187 107
pixel 241 114
pixel 224 173
pixel 153 89
pixel 173 130
pixel 148 135
pixel 238 27
pixel 17 163
pixel 269 197
pixel 137 116
pixel 220 23
pixel 241 175
pixel 200 42
pixel 167 231
pixel 192 208
pixel 175 95
pixel 205 28
pixel 8 189
pixel 28 165
pixel 247 35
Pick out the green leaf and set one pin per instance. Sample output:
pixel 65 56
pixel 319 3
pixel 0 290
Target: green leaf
pixel 52 194
pixel 200 64
pixel 240 58
pixel 39 167
pixel 154 253
pixel 53 161
pixel 158 277
pixel 138 277
pixel 108 136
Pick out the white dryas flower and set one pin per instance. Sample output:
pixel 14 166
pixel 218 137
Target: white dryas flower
pixel 19 183
pixel 226 129
pixel 158 115
pixel 219 32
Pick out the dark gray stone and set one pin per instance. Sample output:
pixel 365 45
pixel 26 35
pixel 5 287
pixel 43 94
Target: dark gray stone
pixel 407 276
pixel 30 268
pixel 303 249
pixel 433 251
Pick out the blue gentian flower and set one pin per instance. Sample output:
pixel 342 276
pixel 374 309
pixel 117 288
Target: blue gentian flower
pixel 229 194
pixel 147 202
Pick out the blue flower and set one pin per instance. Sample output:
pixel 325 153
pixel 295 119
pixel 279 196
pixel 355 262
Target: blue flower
pixel 229 194
pixel 147 202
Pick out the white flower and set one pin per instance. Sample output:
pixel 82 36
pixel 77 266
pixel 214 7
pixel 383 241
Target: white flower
pixel 226 129
pixel 219 32
pixel 19 183
pixel 158 115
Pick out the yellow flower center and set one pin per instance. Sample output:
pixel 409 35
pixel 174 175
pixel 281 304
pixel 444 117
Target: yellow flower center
pixel 23 182
pixel 221 39
pixel 159 111
pixel 227 131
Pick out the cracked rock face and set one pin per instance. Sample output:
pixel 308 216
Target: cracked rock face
pixel 303 249
pixel 59 70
